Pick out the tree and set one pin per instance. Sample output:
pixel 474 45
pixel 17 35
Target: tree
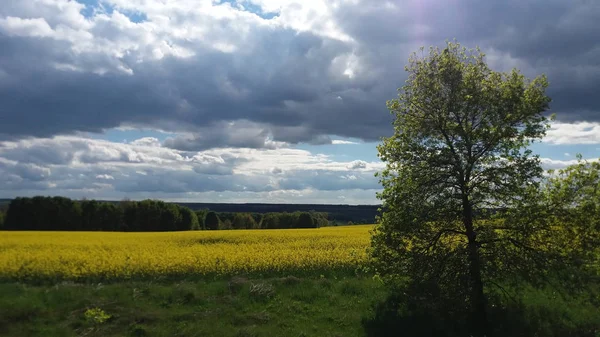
pixel 90 219
pixel 130 211
pixel 211 221
pixel 226 224
pixel 568 212
pixel 110 217
pixel 243 221
pixel 270 221
pixel 188 220
pixel 170 217
pixel 459 149
pixel 305 220
pixel 148 215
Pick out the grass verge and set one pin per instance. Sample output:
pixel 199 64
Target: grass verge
pixel 286 306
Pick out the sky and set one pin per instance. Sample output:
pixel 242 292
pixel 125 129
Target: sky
pixel 255 100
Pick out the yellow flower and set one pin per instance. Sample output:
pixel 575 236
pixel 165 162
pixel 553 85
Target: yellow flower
pixel 111 255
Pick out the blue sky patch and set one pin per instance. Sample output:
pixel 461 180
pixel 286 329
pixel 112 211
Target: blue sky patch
pixel 92 6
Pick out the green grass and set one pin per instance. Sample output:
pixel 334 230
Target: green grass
pixel 284 306
pixel 237 307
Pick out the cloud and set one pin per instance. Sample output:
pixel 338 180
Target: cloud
pixel 281 71
pixel 146 141
pixel 342 142
pixel 235 85
pixel 573 133
pixel 225 134
pixel 555 164
pixel 357 164
pixel 276 170
pixel 98 167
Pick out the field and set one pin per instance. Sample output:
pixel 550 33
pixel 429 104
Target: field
pixel 196 283
pixel 304 282
pixel 105 256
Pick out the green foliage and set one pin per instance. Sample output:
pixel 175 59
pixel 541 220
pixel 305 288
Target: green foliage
pixel 270 221
pixel 305 220
pixel 2 220
pixel 211 221
pixel 565 215
pixel 225 224
pixel 201 215
pixel 320 219
pixel 188 218
pixel 244 221
pixel 58 213
pixel 241 220
pixel 459 149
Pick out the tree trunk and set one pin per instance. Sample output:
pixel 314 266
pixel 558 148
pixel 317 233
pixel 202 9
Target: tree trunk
pixel 478 300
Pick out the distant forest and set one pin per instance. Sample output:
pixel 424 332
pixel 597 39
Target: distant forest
pixel 364 214
pixel 59 213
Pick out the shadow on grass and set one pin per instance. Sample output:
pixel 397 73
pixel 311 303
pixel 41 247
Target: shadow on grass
pixel 395 316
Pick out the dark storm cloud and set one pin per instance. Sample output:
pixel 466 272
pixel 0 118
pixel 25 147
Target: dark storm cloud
pixel 290 86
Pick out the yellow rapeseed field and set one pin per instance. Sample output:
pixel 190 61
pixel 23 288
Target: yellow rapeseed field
pixel 109 255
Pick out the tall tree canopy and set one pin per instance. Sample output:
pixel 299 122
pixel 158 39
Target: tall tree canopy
pixel 459 150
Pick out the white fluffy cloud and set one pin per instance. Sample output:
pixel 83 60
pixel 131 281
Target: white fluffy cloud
pixel 573 133
pixel 97 167
pixel 342 142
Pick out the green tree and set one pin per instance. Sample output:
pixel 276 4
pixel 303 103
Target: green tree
pixel 243 221
pixel 130 210
pixel 189 220
pixel 89 216
pixel 211 221
pixel 459 148
pixel 170 217
pixel 270 221
pixel 226 224
pixel 566 215
pixel 305 220
pixel 109 217
pixel 148 215
pixel 201 214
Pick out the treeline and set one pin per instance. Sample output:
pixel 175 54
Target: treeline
pixel 362 214
pixel 60 213
pixel 280 220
